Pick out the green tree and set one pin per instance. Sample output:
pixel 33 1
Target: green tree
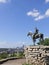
pixel 3 55
pixel 45 42
pixel 13 55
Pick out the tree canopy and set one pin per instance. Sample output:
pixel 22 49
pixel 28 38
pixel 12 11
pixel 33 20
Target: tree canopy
pixel 45 42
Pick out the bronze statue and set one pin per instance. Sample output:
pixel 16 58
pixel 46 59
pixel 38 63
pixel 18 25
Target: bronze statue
pixel 36 32
pixel 36 35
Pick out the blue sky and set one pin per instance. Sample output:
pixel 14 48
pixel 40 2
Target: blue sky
pixel 18 17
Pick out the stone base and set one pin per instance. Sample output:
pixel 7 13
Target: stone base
pixel 37 55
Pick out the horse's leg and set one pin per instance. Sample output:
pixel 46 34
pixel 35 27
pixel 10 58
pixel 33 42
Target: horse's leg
pixel 34 41
pixel 40 41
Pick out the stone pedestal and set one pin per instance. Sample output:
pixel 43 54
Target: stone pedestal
pixel 37 55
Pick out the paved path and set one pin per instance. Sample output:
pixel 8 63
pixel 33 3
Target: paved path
pixel 14 62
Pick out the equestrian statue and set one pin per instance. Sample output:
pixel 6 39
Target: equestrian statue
pixel 36 35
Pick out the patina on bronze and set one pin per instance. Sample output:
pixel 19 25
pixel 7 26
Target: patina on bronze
pixel 36 35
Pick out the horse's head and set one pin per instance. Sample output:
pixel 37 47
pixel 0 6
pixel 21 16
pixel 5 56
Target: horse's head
pixel 29 33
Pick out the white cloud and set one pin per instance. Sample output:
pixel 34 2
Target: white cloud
pixel 33 13
pixel 4 1
pixel 46 1
pixel 37 16
pixel 47 12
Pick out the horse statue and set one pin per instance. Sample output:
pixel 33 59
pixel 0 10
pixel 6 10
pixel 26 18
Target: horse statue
pixel 35 35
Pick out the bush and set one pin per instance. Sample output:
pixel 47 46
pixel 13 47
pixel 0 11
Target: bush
pixel 3 55
pixel 20 55
pixel 13 55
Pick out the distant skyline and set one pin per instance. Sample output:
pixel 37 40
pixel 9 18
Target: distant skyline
pixel 18 17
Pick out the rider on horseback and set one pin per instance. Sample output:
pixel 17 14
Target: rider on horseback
pixel 36 35
pixel 36 31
